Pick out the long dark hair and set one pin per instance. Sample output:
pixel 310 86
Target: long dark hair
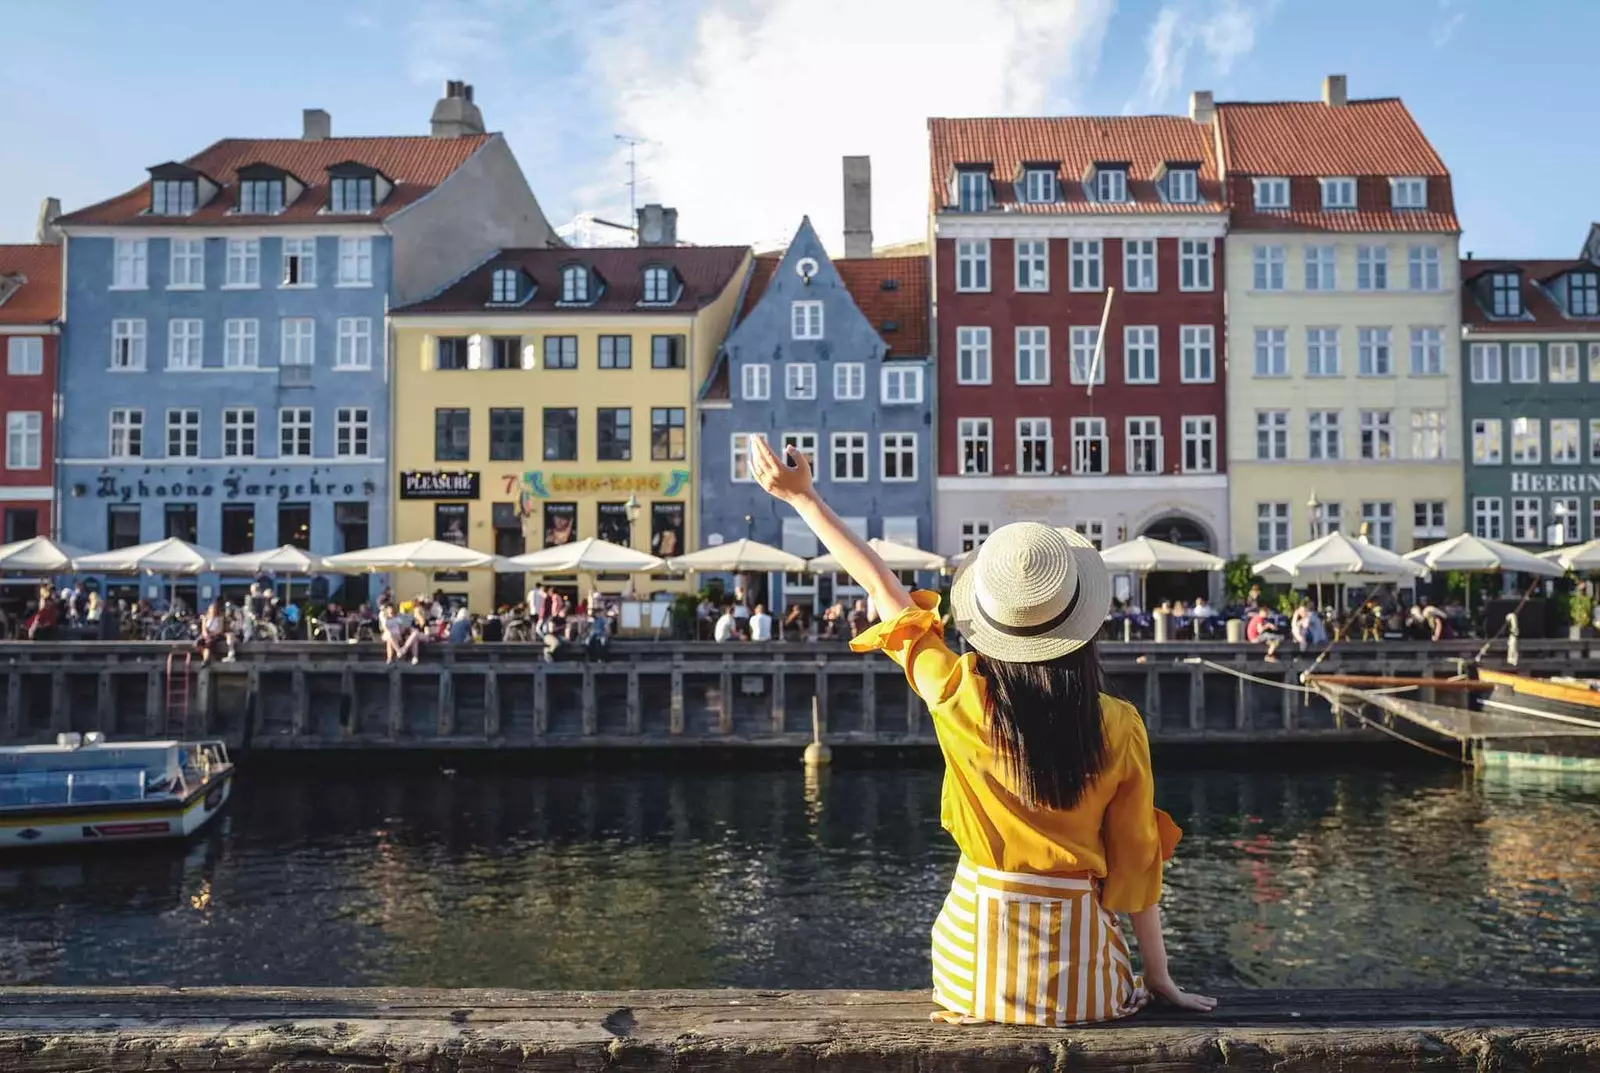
pixel 1046 723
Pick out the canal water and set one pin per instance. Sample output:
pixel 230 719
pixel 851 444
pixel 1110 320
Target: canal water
pixel 1398 878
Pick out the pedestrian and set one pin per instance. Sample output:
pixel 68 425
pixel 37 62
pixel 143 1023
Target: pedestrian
pixel 760 624
pixel 400 635
pixel 727 628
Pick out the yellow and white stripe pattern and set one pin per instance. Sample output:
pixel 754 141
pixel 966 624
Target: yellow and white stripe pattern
pixel 1030 950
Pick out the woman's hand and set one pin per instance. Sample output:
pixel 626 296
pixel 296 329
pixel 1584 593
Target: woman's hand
pixel 788 480
pixel 1169 992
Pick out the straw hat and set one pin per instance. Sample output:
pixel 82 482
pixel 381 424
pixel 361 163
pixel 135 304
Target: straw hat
pixel 1031 593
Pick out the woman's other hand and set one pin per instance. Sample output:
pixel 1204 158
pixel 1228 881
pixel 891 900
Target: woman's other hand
pixel 788 478
pixel 1170 993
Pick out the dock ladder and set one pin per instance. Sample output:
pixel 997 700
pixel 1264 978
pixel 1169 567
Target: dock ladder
pixel 178 693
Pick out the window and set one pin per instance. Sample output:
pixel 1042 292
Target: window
pixel 238 432
pixel 1322 351
pixel 1566 521
pixel 805 443
pixel 1338 193
pixel 805 320
pixel 1423 265
pixel 1372 268
pixel 1327 435
pixel 899 456
pixel 128 262
pixel 1272 352
pixel 1198 354
pixel 1374 357
pixel 668 434
pixel 1379 521
pixel 1526 441
pixel 294 524
pixel 21 523
pixel 127 433
pixel 1033 265
pixel 657 286
pixel 1583 294
pixel 452 434
pixel 241 343
pixel 1408 193
pixel 187 263
pixel 613 433
pixel 24 439
pixel 24 356
pixel 1194 264
pixel 1563 363
pixel 505 434
pixel 299 341
pixel 1033 355
pixel 355 262
pixel 561 434
pixel 1039 186
pixel 261 197
pixel 972 265
pixel 1033 446
pixel 1566 441
pixel 972 355
pixel 505 352
pixel 1321 268
pixel 901 385
pixel 127 345
pixel 1527 518
pixel 299 262
pixel 973 437
pixel 755 382
pixel 1272 527
pixel 1267 268
pixel 849 456
pixel 244 262
pixel 1485 363
pixel 1427 435
pixel 1085 342
pixel 1090 453
pixel 739 457
pixel 1505 294
pixel 972 191
pixel 1327 518
pixel 1427 352
pixel 849 380
pixel 1272 435
pixel 355 344
pixel 352 432
pixel 1594 445
pixel 238 528
pixel 666 351
pixel 172 197
pixel 1144 445
pixel 1487 440
pixel 616 352
pixel 1200 444
pixel 1524 361
pixel 182 521
pixel 1110 184
pixel 1182 187
pixel 505 286
pixel 973 534
pixel 1377 434
pixel 800 380
pixel 1139 264
pixel 561 352
pixel 294 432
pixel 351 195
pixel 1084 256
pixel 450 353
pixel 183 433
pixel 1272 193
pixel 575 284
pixel 185 343
pixel 1487 521
pixel 1141 364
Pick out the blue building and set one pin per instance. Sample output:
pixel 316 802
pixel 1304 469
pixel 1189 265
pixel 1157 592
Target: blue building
pixel 225 375
pixel 831 356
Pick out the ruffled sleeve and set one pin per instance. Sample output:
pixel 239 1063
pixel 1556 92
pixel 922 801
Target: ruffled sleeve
pixel 914 638
pixel 1138 836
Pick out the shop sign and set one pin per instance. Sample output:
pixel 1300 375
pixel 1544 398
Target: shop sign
pixel 234 484
pixel 418 484
pixel 539 484
pixel 1523 481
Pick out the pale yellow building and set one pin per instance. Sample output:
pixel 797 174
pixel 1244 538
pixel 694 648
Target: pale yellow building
pixel 548 396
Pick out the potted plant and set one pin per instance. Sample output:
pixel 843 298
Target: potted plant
pixel 1580 615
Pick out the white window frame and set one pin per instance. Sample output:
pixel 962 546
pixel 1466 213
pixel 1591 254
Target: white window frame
pixel 902 448
pixel 1374 352
pixel 1032 431
pixel 1084 341
pixel 1086 258
pixel 1488 441
pixel 1427 351
pixel 1086 432
pixel 355 261
pixel 130 264
pixel 129 422
pixel 1032 349
pixel 1372 268
pixel 1594 446
pixel 739 471
pixel 1522 363
pixel 755 382
pixel 575 285
pixel 1339 193
pixel 901 385
pixel 1032 267
pixel 297 341
pixel 849 381
pixel 1563 363
pixel 25 355
pixel 1527 520
pixel 1039 186
pixel 974 531
pixel 1271 193
pixel 1423 272
pixel 1194 264
pixel 353 352
pixel 972 432
pixel 243 264
pixel 1271 353
pixel 186 344
pixel 1267 268
pixel 1111 185
pixel 131 332
pixel 1141 354
pixel 1428 435
pixel 1272 527
pixel 1322 352
pixel 848 447
pixel 1325 435
pixel 304 252
pixel 1486 363
pixel 800 380
pixel 1408 192
pixel 1569 440
pixel 1376 439
pixel 241 343
pixel 1137 433
pixel 1183 186
pixel 186 264
pixel 972 190
pixel 297 430
pixel 1272 435
pixel 1428 519
pixel 972 265
pixel 1197 354
pixel 1321 267
pixel 1139 272
pixel 25 440
pixel 1199 442
pixel 184 423
pixel 805 319
pixel 240 420
pixel 974 355
pixel 352 432
pixel 1488 517
pixel 1378 518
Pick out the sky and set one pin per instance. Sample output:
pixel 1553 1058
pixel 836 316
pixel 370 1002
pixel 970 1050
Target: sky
pixel 745 107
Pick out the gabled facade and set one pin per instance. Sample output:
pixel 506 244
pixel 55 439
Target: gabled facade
pixel 226 377
pixel 1531 397
pixel 831 356
pixel 1344 389
pixel 30 332
pixel 1033 221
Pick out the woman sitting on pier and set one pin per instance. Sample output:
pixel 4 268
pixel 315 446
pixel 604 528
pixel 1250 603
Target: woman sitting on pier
pixel 1048 790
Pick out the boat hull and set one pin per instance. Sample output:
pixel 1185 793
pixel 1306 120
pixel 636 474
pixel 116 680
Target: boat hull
pixel 108 822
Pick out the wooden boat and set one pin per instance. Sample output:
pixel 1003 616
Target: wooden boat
pixel 84 789
pixel 1566 700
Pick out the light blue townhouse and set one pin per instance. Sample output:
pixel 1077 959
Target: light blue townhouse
pixel 225 377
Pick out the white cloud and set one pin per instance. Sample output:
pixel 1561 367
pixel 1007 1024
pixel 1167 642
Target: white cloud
pixel 1450 19
pixel 1231 32
pixel 1166 49
pixel 1224 33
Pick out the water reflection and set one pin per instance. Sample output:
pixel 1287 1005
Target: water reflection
pixel 780 880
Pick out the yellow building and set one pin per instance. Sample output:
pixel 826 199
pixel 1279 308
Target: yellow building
pixel 548 396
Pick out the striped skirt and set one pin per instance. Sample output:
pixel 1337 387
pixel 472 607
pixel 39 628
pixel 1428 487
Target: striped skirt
pixel 1031 950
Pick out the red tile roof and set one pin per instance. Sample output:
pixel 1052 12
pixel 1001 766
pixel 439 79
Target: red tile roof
pixel 415 164
pixel 1543 312
pixel 761 272
pixel 705 272
pixel 38 300
pixel 906 306
pixel 1076 143
pixel 1372 212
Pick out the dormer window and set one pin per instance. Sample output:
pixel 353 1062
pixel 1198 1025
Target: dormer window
pixel 261 196
pixel 1110 184
pixel 1505 294
pixel 1583 294
pixel 351 195
pixel 657 285
pixel 173 197
pixel 1338 193
pixel 1272 194
pixel 972 190
pixel 1183 186
pixel 1408 193
pixel 575 284
pixel 506 288
pixel 1039 186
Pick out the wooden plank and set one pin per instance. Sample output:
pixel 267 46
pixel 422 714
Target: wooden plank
pixel 635 712
pixel 13 720
pixel 299 703
pixel 780 701
pixel 869 698
pixel 445 703
pixel 155 705
pixel 541 701
pixel 491 704
pixel 397 711
pixel 349 709
pixel 725 689
pixel 60 710
pixel 675 709
pixel 590 710
pixel 105 716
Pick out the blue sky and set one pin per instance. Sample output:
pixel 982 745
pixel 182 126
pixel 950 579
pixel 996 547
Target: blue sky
pixel 747 105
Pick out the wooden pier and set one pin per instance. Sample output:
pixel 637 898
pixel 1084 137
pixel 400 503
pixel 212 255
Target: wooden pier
pixel 646 695
pixel 65 1030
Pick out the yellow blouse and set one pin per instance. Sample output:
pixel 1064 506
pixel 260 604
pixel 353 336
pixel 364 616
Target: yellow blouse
pixel 1114 832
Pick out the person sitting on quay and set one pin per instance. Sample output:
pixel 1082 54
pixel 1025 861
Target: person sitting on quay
pixel 760 624
pixel 796 624
pixel 727 628
pixel 1260 629
pixel 400 635
pixel 461 626
pixel 214 634
pixel 1202 609
pixel 599 635
pixel 1049 793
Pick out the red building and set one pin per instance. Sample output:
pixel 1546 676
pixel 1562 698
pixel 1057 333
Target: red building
pixel 1033 220
pixel 30 326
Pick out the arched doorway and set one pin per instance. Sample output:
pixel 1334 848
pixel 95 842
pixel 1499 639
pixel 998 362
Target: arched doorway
pixel 1167 585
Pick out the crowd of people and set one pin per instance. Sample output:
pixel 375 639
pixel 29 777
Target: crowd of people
pixel 737 619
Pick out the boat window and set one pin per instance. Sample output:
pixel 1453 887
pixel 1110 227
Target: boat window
pixel 23 788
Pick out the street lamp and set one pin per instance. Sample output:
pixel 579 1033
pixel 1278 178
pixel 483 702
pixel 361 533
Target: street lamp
pixel 749 526
pixel 631 509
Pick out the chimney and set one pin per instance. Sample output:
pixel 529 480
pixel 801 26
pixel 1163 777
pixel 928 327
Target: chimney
pixel 316 125
pixel 46 234
pixel 1202 106
pixel 658 226
pixel 455 116
pixel 1333 91
pixel 858 206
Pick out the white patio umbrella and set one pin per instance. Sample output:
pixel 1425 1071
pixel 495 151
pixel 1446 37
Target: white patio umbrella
pixel 1142 555
pixel 167 558
pixel 1337 559
pixel 424 556
pixel 589 556
pixel 38 555
pixel 742 556
pixel 895 557
pixel 1480 555
pixel 288 560
pixel 1577 557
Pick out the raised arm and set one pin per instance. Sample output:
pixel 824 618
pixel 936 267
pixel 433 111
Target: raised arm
pixel 790 481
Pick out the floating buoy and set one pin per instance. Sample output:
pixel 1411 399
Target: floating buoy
pixel 816 753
